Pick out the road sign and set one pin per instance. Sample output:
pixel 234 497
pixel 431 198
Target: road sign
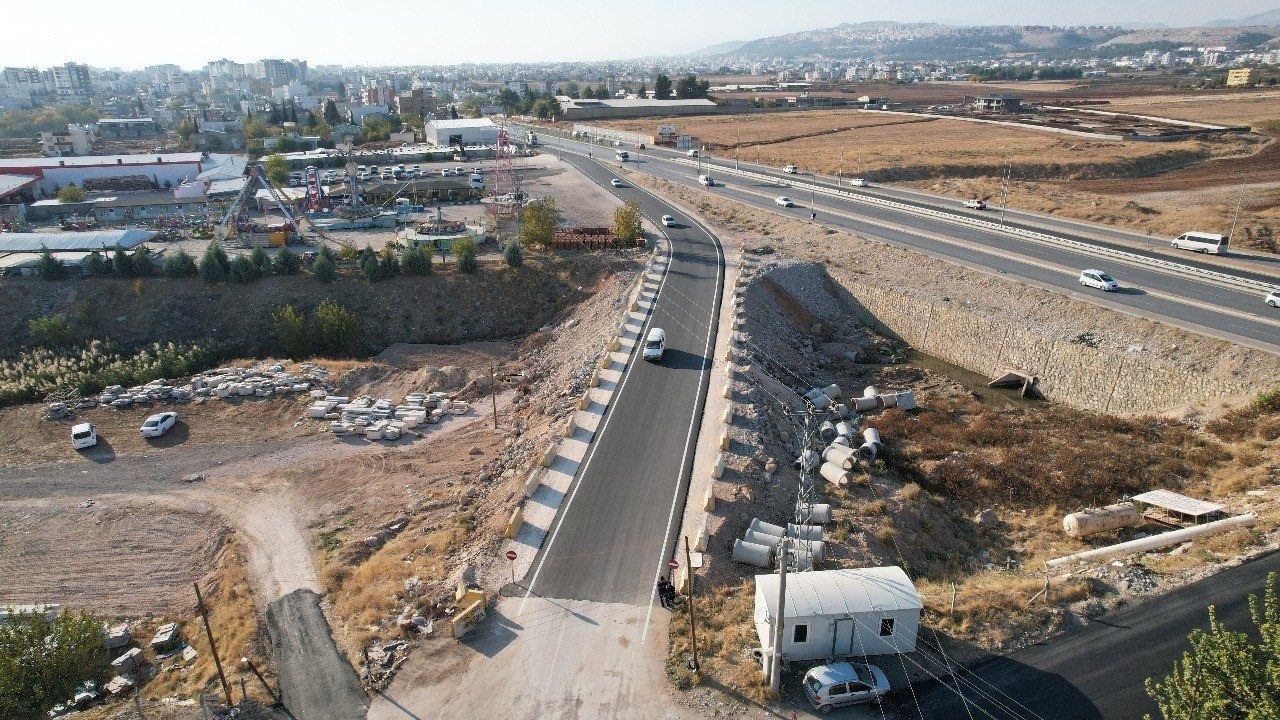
pixel 511 554
pixel 673 564
pixel 684 142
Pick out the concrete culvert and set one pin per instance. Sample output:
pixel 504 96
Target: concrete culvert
pixel 864 404
pixel 867 452
pixel 841 456
pixel 752 554
pixel 871 392
pixel 835 474
pixel 760 538
pixel 809 459
pixel 889 400
pixel 804 532
pixel 820 513
pixel 761 526
pixel 827 431
pixel 844 428
pixel 871 435
pixel 1111 517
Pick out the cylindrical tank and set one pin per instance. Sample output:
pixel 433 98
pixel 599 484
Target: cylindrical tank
pixel 1097 520
pixel 752 554
pixel 835 474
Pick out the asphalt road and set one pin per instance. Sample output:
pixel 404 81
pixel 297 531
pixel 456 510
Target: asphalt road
pixel 615 528
pixel 1099 672
pixel 1178 299
pixel 315 678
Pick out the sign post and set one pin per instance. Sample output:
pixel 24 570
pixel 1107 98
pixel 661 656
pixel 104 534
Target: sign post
pixel 511 555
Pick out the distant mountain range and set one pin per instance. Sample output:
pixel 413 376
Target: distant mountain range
pixel 886 40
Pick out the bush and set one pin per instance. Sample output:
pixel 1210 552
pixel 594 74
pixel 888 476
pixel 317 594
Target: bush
pixel 335 327
pixel 49 331
pixel 291 331
pixel 243 270
pixel 371 268
pixel 323 269
pixel 36 373
pixel 416 262
pixel 389 265
pixel 140 262
pixel 48 266
pixel 286 262
pixel 70 194
pixel 538 223
pixel 214 264
pixel 626 223
pixel 261 261
pixel 120 264
pixel 464 252
pixel 512 254
pixel 95 264
pixel 180 265
pixel 43 659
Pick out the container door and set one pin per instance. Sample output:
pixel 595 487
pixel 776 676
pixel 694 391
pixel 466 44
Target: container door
pixel 842 644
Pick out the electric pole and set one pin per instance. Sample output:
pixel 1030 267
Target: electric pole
pixel 213 649
pixel 493 387
pixel 775 661
pixel 693 625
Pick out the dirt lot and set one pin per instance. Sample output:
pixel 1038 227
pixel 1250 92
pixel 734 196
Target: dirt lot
pixel 1241 107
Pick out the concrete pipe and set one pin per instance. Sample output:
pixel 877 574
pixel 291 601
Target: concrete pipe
pixel 837 451
pixel 1111 517
pixel 835 474
pixel 871 392
pixel 819 400
pixel 827 431
pixel 871 435
pixel 760 538
pixel 907 400
pixel 840 460
pixel 844 428
pixel 752 554
pixel 888 400
pixel 760 526
pixel 842 441
pixel 718 469
pixel 808 459
pixel 819 514
pixel 864 404
pixel 842 410
pixel 808 549
pixel 1155 542
pixel 867 452
pixel 832 391
pixel 804 532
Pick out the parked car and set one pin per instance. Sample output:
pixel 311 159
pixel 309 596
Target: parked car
pixel 83 436
pixel 859 182
pixel 838 684
pixel 791 169
pixel 1273 299
pixel 615 182
pixel 655 344
pixel 1099 280
pixel 158 424
pixel 975 204
pixel 692 153
pixel 668 221
pixel 784 201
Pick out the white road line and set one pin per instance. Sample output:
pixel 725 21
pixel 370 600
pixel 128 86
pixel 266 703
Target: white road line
pixel 582 470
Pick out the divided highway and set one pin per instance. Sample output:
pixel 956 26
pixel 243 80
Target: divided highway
pixel 615 530
pixel 1179 299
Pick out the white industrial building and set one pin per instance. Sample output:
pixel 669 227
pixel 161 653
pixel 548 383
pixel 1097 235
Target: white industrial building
pixel 837 613
pixel 461 132
pixel 51 173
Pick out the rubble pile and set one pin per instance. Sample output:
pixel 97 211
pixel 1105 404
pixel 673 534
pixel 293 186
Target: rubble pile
pixel 381 419
pixel 223 383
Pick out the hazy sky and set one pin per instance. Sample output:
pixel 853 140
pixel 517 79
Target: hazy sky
pixel 131 33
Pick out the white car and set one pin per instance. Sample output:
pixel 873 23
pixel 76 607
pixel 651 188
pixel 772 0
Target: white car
pixel 410 174
pixel 1099 280
pixel 784 201
pixel 668 221
pixel 615 182
pixel 1273 299
pixel 692 153
pixel 158 424
pixel 445 173
pixel 655 344
pixel 459 170
pixel 975 204
pixel 838 684
pixel 83 436
pixel 791 169
pixel 707 180
pixel 859 182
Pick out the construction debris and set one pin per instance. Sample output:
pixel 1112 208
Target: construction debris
pixel 223 383
pixel 381 419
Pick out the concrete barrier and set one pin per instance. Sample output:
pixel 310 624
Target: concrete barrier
pixel 724 441
pixel 709 500
pixel 703 538
pixel 726 417
pixel 514 523
pixel 474 605
pixel 548 456
pixel 532 483
pixel 727 391
pixel 718 469
pixel 584 402
pixel 594 381
pixel 569 428
pixel 612 345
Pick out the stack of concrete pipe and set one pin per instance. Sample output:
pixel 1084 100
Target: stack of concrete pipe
pixel 823 398
pixel 871 445
pixel 758 543
pixel 872 399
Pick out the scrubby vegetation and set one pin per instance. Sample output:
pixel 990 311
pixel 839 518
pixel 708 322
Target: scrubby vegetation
pixel 43 659
pixel 34 374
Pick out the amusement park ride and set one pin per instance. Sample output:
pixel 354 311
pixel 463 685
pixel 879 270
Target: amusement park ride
pixel 236 226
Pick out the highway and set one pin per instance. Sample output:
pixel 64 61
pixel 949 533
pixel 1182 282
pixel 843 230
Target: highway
pixel 615 529
pixel 1190 302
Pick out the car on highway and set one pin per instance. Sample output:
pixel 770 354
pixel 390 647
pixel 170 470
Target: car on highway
pixel 692 153
pixel 445 172
pixel 791 169
pixel 459 171
pixel 668 221
pixel 1274 298
pixel 655 344
pixel 1098 280
pixel 784 201
pixel 615 182
pixel 410 174
pixel 1201 242
pixel 362 176
pixel 158 424
pixel 975 204
pixel 83 436
pixel 707 180
pixel 859 182
pixel 838 684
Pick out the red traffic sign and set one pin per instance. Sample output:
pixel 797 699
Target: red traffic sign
pixel 673 564
pixel 511 554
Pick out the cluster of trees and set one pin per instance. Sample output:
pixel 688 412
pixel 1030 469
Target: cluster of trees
pixel 573 90
pixel 138 263
pixel 539 104
pixel 626 222
pixel 329 330
pixel 1024 72
pixel 43 659
pixel 216 266
pixel 29 123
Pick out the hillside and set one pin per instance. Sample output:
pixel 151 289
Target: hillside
pixel 1270 17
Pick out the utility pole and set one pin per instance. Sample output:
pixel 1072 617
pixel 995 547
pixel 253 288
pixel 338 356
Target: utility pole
pixel 493 387
pixel 254 669
pixel 693 625
pixel 775 662
pixel 1004 196
pixel 840 167
pixel 1231 236
pixel 204 614
pixel 737 147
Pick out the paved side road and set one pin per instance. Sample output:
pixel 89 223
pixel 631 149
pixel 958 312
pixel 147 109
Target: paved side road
pixel 1099 671
pixel 316 680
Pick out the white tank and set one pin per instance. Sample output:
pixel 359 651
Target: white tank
pixel 1093 521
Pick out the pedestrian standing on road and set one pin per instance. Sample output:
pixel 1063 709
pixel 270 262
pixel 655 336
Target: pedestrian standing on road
pixel 813 215
pixel 671 595
pixel 664 595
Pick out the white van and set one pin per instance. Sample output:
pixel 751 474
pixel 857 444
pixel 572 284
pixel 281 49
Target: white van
pixel 1201 242
pixel 83 436
pixel 706 180
pixel 655 344
pixel 1099 280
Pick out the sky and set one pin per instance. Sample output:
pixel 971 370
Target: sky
pixel 131 34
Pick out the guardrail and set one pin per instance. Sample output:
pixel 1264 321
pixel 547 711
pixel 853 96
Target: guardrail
pixel 1058 240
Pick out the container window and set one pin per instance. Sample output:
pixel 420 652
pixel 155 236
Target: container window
pixel 800 634
pixel 886 627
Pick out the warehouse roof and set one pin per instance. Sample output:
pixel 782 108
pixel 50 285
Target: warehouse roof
pixel 70 241
pixel 13 183
pixel 568 102
pixel 841 592
pixel 101 160
pixel 463 123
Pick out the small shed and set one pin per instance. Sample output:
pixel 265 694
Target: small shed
pixel 1176 509
pixel 837 613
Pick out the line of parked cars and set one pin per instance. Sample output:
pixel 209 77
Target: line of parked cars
pixel 85 435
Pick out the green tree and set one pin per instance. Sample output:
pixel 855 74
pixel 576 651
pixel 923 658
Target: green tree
pixel 49 331
pixel 186 128
pixel 416 262
pixel 286 262
pixel 464 254
pixel 512 254
pixel 255 128
pixel 277 169
pixel 43 659
pixel 370 267
pixel 291 331
pixel 48 266
pixel 388 265
pixel 662 87
pixel 180 265
pixel 331 115
pixel 120 264
pixel 471 106
pixel 626 222
pixel 243 270
pixel 539 221
pixel 545 109
pixel 94 264
pixel 1226 675
pixel 214 264
pixel 689 87
pixel 140 262
pixel 323 268
pixel 572 90
pixel 375 128
pixel 508 99
pixel 335 327
pixel 70 194
pixel 261 261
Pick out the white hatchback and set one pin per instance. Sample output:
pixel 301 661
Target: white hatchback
pixel 1273 299
pixel 1098 280
pixel 83 436
pixel 668 221
pixel 859 182
pixel 830 686
pixel 655 344
pixel 784 201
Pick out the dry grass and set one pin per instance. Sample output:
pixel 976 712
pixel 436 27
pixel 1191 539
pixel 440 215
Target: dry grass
pixel 1242 108
pixel 726 633
pixel 994 609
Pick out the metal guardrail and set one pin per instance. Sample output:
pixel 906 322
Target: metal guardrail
pixel 1078 245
